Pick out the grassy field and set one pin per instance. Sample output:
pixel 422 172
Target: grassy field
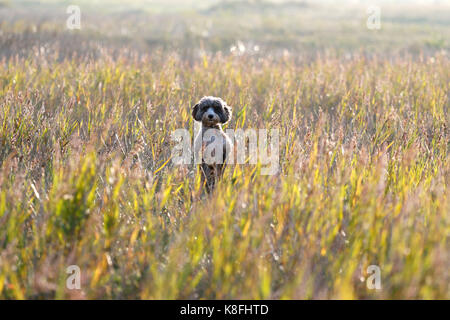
pixel 85 149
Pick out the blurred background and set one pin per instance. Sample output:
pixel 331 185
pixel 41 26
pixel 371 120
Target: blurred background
pixel 243 27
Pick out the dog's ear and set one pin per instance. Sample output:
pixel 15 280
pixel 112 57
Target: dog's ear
pixel 195 112
pixel 227 114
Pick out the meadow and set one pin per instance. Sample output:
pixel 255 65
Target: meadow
pixel 86 176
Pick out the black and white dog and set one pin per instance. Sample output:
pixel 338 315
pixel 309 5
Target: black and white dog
pixel 215 146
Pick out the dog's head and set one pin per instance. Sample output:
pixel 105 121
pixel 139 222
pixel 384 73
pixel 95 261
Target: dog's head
pixel 211 111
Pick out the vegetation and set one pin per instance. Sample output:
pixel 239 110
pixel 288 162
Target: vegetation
pixel 86 177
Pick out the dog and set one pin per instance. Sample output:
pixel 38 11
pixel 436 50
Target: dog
pixel 215 146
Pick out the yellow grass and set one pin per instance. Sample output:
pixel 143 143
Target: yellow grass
pixel 85 177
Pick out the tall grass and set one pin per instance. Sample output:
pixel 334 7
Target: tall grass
pixel 85 179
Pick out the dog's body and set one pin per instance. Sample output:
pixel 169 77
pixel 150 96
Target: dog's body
pixel 212 112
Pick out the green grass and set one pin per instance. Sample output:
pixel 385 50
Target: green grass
pixel 85 178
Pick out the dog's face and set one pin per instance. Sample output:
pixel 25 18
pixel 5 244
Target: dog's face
pixel 211 111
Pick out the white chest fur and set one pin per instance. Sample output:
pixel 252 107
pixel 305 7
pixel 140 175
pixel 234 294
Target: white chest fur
pixel 212 146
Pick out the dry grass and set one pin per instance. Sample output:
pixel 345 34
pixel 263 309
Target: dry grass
pixel 84 178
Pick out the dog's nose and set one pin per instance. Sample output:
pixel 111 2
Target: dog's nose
pixel 210 116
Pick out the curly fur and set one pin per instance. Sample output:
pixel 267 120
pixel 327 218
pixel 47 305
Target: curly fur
pixel 212 112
